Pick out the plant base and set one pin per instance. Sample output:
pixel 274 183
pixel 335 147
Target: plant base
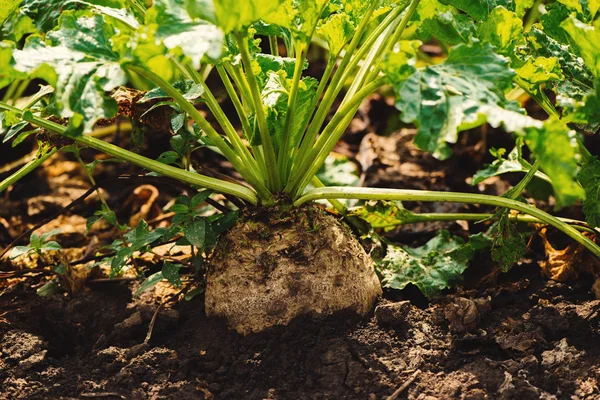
pixel 279 263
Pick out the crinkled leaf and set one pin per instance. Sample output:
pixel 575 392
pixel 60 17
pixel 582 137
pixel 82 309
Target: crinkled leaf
pixel 503 29
pixel 589 177
pixel 399 64
pixel 556 148
pixel 80 63
pixel 449 27
pixel 585 39
pixel 461 93
pixel 384 215
pixel 275 97
pixel 337 30
pixel 299 16
pixel 433 267
pixel 177 30
pixel 338 170
pixel 508 244
pixel 539 70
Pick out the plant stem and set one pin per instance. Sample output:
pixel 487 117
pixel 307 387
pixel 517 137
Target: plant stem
pixel 265 137
pixel 241 112
pixel 532 17
pixel 44 152
pixel 283 160
pixel 514 192
pixel 328 139
pixel 234 189
pixel 274 46
pixel 231 133
pixel 332 89
pixel 478 217
pixel 450 197
pixel 188 107
pixel 138 7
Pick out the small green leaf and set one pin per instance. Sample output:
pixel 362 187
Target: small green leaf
pixel 432 267
pixel 18 251
pixel 195 232
pixel 170 272
pixel 150 282
pixel 168 157
pixel 200 198
pixel 514 162
pixel 508 244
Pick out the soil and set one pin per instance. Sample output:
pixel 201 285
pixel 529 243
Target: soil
pixel 496 336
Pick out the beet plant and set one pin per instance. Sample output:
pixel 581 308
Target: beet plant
pixel 284 257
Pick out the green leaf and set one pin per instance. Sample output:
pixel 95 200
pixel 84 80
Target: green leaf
pixel 338 170
pixel 337 30
pixel 168 157
pixel 503 29
pixel 231 15
pixel 476 9
pixel 589 177
pixel 14 130
pixel 399 64
pixel 514 162
pixel 200 198
pixel 539 70
pixel 141 236
pixel 508 244
pixel 557 149
pixel 433 267
pixel 7 7
pixel 449 28
pixel 275 97
pixel 384 215
pixel 150 282
pixel 170 272
pixel 585 39
pixel 299 16
pixel 178 30
pixel 463 92
pixel 195 232
pixel 80 63
pixel 18 251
